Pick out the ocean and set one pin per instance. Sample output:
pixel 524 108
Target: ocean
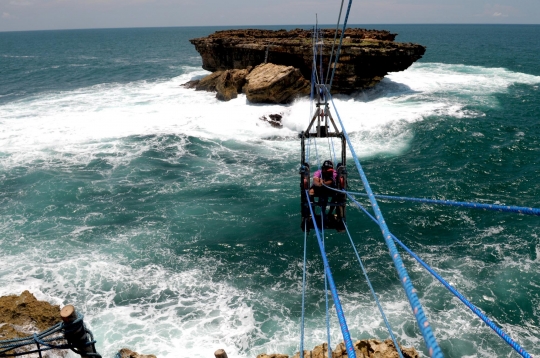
pixel 171 220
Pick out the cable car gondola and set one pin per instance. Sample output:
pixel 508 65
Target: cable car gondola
pixel 327 205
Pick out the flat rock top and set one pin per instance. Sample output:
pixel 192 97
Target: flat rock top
pixel 354 37
pixel 297 34
pixel 301 41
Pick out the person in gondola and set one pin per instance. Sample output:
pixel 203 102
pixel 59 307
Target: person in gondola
pixel 327 176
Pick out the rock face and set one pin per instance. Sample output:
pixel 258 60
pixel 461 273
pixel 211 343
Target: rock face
pixel 23 315
pixel 273 119
pixel 266 83
pixel 373 348
pixel 227 84
pixel 230 83
pixel 366 55
pixel 128 353
pixel 368 348
pixel 276 84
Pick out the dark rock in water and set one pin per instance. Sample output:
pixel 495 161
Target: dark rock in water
pixel 266 83
pixel 128 353
pixel 209 82
pixel 269 83
pixel 227 83
pixel 366 55
pixel 275 355
pixel 191 84
pixel 273 119
pixel 230 83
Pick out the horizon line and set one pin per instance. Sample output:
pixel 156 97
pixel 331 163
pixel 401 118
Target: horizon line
pixel 267 25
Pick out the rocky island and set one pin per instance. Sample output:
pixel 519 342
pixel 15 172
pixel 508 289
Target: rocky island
pixel 275 66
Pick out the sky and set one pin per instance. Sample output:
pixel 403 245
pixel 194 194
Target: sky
pixel 20 15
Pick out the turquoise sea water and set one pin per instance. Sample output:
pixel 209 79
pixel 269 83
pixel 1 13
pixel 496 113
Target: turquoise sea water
pixel 171 220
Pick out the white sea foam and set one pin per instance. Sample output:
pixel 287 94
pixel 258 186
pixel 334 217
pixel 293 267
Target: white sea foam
pixel 467 80
pixel 152 309
pixel 149 310
pixel 80 121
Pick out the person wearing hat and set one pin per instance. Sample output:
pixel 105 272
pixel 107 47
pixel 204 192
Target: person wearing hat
pixel 326 175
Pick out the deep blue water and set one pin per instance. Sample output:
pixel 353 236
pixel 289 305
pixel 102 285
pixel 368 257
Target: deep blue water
pixel 172 219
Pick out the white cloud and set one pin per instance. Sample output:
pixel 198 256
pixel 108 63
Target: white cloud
pixel 500 11
pixel 6 15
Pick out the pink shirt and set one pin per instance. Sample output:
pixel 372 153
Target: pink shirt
pixel 318 174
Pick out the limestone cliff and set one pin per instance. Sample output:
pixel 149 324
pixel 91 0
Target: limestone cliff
pixel 366 55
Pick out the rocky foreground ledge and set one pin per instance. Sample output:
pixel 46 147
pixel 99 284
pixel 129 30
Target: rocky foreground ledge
pixel 366 57
pixel 24 315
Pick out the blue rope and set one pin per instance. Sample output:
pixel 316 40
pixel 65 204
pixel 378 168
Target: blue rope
pixel 308 149
pixel 312 95
pixel 317 160
pixel 313 65
pixel 326 286
pixel 37 338
pixel 327 315
pixel 320 50
pixel 339 311
pixel 332 149
pixel 493 207
pixel 56 328
pixel 334 42
pixel 339 47
pixel 313 69
pixel 303 291
pixel 398 349
pixel 472 307
pixel 326 295
pixel 316 37
pixel 40 339
pixel 423 324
